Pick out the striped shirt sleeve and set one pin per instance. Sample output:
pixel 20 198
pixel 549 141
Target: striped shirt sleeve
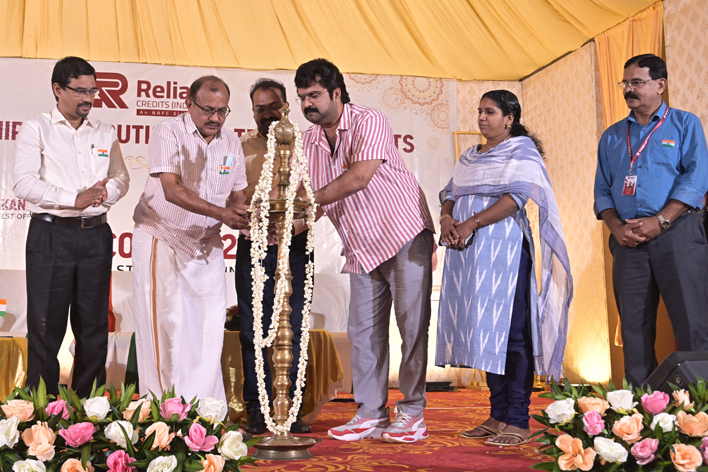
pixel 163 150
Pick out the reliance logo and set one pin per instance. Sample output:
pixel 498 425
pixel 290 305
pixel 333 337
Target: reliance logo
pixel 111 86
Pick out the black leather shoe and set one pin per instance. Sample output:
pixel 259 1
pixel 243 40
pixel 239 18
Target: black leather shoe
pixel 255 424
pixel 300 427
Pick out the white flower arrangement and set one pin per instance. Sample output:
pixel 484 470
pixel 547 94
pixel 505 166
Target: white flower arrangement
pixel 260 207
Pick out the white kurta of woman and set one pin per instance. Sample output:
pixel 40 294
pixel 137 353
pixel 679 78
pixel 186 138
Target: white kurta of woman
pixel 479 282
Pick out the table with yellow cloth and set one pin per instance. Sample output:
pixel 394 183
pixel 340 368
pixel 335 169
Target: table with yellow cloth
pixel 324 374
pixel 13 367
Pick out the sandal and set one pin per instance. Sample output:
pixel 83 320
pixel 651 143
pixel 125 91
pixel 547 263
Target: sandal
pixel 522 439
pixel 487 432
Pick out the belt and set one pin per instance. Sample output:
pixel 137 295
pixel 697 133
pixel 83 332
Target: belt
pixel 79 221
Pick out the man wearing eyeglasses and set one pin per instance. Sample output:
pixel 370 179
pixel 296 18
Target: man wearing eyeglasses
pixel 267 98
pixel 70 170
pixel 196 168
pixel 651 176
pixel 381 214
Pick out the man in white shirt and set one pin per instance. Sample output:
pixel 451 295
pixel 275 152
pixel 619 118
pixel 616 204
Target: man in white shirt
pixel 70 170
pixel 179 286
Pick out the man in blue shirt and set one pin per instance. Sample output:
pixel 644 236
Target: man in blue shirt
pixel 652 173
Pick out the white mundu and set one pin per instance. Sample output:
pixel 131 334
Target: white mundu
pixel 180 309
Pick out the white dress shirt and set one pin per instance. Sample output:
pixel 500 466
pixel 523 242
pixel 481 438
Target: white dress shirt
pixel 55 162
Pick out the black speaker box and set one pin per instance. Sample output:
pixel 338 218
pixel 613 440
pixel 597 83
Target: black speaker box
pixel 680 368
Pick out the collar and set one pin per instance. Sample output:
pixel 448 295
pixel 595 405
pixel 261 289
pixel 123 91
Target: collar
pixel 192 128
pixel 655 117
pixel 57 117
pixel 345 121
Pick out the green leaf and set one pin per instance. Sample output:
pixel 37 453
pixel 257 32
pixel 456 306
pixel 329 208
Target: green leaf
pixel 129 445
pixel 136 416
pixel 93 389
pixel 147 444
pixel 541 466
pixel 85 454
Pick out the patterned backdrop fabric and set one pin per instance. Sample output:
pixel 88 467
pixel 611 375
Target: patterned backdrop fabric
pixel 562 105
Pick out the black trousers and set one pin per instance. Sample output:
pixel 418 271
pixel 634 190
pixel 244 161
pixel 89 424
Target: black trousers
pixel 68 267
pixel 244 293
pixel 674 265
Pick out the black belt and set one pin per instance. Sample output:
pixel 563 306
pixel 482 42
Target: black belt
pixel 80 221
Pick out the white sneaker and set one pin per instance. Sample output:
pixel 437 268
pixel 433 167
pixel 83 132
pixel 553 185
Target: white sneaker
pixel 405 429
pixel 360 428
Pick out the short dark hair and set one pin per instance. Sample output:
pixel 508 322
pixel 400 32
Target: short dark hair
pixel 265 84
pixel 509 104
pixel 323 72
pixel 655 64
pixel 210 81
pixel 71 67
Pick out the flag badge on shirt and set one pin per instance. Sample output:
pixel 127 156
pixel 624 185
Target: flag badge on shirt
pixel 102 152
pixel 226 168
pixel 3 307
pixel 668 143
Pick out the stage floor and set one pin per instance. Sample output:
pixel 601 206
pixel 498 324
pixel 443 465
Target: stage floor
pixel 446 415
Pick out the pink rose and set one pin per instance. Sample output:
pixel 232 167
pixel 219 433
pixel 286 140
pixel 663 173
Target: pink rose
pixel 198 440
pixel 58 407
pixel 174 406
pixel 644 450
pixel 118 462
pixel 77 434
pixel 594 424
pixel 655 403
pixel 704 449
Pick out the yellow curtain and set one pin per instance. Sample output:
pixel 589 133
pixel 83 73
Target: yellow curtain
pixel 641 34
pixel 463 39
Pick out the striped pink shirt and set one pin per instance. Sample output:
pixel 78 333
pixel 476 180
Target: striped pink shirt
pixel 376 222
pixel 211 171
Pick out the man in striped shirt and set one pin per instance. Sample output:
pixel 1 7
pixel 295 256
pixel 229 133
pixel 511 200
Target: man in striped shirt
pixel 178 262
pixel 380 212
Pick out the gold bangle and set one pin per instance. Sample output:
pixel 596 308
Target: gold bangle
pixel 443 217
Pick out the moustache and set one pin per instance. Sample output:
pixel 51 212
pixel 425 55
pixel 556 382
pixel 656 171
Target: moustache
pixel 311 109
pixel 212 123
pixel 268 121
pixel 89 104
pixel 631 95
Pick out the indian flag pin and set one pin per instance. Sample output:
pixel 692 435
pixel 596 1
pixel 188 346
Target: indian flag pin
pixel 668 143
pixel 3 307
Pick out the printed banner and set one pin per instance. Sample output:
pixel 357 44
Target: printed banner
pixel 135 97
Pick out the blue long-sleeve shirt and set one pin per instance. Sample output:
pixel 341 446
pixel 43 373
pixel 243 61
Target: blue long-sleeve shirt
pixel 673 165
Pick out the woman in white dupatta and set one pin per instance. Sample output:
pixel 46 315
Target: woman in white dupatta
pixel 491 315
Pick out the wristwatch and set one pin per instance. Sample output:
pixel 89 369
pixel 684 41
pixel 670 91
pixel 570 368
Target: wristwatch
pixel 665 224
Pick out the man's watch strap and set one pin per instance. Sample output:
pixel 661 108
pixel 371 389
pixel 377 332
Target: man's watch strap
pixel 665 224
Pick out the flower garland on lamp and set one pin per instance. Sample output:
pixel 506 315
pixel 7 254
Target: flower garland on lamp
pixel 260 221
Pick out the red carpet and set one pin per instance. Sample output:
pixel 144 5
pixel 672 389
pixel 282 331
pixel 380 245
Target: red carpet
pixel 447 414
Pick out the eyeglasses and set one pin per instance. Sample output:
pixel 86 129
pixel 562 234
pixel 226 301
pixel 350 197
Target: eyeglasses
pixel 82 92
pixel 208 111
pixel 312 97
pixel 633 84
pixel 261 109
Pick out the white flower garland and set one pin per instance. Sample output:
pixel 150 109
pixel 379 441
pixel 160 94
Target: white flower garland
pixel 260 206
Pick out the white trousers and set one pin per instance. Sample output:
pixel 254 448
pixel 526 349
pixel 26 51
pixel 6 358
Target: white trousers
pixel 180 309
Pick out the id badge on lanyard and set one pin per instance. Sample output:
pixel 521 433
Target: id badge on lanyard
pixel 630 181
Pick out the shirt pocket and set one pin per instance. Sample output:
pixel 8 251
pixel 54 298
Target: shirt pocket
pixel 667 152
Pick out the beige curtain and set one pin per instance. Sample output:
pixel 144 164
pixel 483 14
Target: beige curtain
pixel 641 34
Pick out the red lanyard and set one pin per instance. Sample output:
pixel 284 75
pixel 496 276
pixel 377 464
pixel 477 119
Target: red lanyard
pixel 646 140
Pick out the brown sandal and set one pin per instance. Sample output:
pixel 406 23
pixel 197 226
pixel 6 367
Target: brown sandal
pixel 488 432
pixel 522 439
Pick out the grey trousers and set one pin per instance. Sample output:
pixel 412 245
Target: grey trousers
pixel 406 281
pixel 675 265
